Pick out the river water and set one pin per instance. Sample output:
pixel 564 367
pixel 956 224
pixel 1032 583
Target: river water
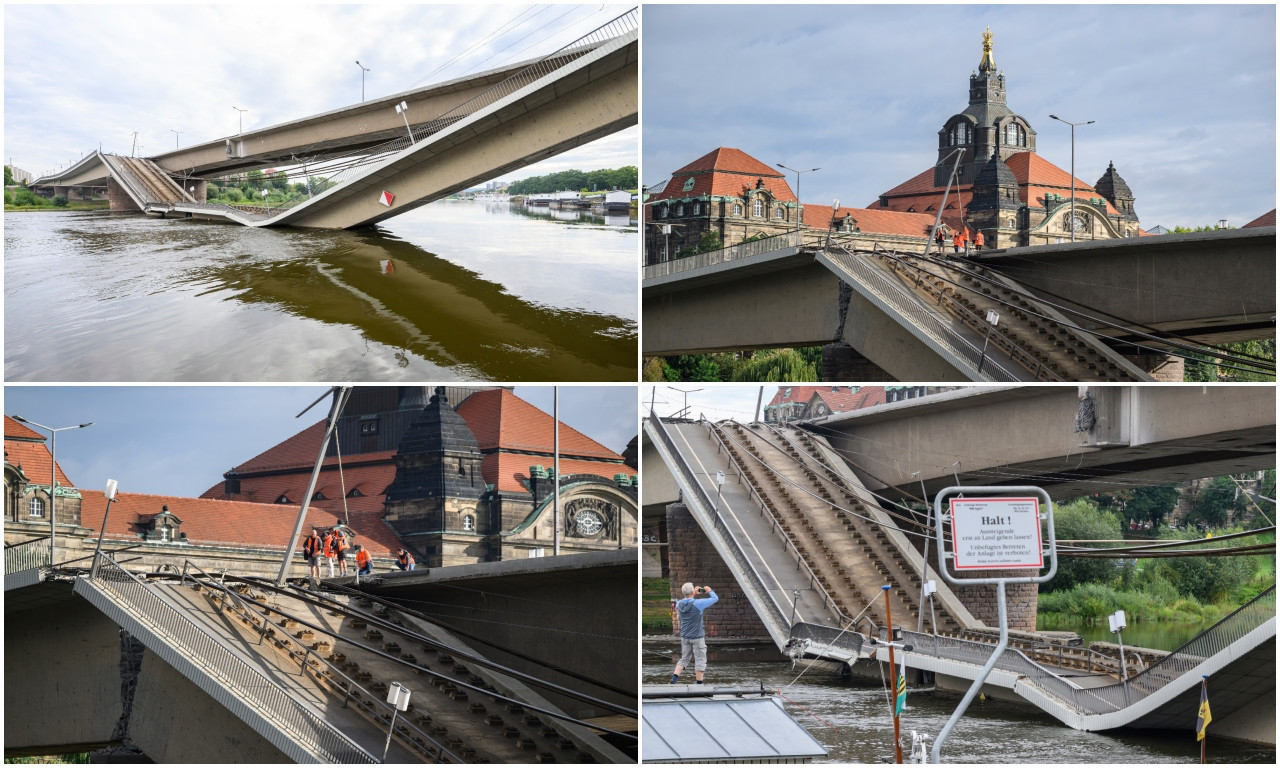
pixel 451 291
pixel 852 719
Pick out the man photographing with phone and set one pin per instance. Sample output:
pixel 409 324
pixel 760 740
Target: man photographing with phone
pixel 693 636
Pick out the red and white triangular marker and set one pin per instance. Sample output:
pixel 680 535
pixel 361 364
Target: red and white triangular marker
pixel 386 199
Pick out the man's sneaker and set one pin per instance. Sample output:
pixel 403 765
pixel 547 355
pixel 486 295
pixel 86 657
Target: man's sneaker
pixel 675 679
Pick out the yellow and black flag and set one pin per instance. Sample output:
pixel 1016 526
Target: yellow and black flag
pixel 1204 717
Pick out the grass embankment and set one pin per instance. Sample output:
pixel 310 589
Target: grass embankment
pixel 655 606
pixel 84 205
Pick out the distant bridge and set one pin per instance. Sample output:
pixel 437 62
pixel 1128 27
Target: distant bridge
pixel 467 131
pixel 809 546
pixel 1095 311
pixel 193 667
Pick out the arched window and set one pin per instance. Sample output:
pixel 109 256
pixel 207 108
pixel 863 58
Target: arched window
pixel 36 508
pixel 468 522
pixel 697 208
pixel 757 208
pixel 737 209
pixel 777 213
pixel 680 209
pixel 166 533
pixel 662 211
pixel 960 133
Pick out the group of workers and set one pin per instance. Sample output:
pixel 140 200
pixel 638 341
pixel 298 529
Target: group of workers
pixel 333 546
pixel 960 240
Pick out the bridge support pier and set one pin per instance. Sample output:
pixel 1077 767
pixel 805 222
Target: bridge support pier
pixel 118 199
pixel 1164 368
pixel 841 362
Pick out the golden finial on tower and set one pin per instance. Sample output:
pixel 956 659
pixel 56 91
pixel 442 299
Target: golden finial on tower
pixel 988 60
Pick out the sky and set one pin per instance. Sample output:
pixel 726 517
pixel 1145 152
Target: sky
pixel 1184 97
pixel 77 76
pixel 177 441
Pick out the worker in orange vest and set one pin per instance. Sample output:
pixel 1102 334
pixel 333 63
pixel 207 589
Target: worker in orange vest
pixel 328 550
pixel 978 241
pixel 364 563
pixel 960 239
pixel 340 546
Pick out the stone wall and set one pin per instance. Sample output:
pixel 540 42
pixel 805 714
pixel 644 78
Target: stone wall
pixel 118 199
pixel 692 558
pixel 1020 601
pixel 841 362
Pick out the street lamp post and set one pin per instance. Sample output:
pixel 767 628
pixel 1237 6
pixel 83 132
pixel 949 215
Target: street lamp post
pixel 53 476
pixel 685 392
pixel 1071 225
pixel 176 133
pixel 402 109
pixel 799 205
pixel 241 111
pixel 363 69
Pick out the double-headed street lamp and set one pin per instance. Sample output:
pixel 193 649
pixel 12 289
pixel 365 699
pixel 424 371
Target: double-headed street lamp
pixel 363 69
pixel 1072 223
pixel 402 109
pixel 799 205
pixel 53 475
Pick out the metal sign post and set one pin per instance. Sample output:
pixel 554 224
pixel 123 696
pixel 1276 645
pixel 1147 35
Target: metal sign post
pixel 1009 531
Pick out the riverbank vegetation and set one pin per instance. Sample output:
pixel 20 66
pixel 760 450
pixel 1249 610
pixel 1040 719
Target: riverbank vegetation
pixel 1176 589
pixel 655 606
pixel 787 364
pixel 584 181
pixel 23 199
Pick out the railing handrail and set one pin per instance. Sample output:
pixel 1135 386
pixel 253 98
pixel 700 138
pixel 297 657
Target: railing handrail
pixel 729 538
pixel 813 577
pixel 26 555
pixel 247 683
pixel 922 317
pixel 790 239
pixel 353 684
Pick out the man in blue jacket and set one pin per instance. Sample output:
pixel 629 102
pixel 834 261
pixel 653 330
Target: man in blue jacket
pixel 693 637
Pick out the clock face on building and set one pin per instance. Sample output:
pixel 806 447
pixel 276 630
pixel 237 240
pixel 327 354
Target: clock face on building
pixel 588 522
pixel 1078 223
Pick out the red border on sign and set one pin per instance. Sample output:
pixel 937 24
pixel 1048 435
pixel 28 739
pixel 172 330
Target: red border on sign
pixel 1003 566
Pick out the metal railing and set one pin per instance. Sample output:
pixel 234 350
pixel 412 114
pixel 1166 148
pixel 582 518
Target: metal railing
pixel 249 685
pixel 27 555
pixel 607 37
pixel 744 567
pixel 999 338
pixel 921 317
pixel 1114 697
pixel 348 684
pixel 815 583
pixel 740 251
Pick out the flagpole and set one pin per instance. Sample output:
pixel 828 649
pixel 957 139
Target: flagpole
pixel 888 618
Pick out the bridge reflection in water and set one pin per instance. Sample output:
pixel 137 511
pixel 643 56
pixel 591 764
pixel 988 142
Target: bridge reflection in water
pixel 507 298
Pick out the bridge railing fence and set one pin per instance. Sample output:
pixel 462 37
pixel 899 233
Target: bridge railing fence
pixel 337 171
pixel 246 683
pixel 33 553
pixel 790 239
pixel 814 582
pixel 744 567
pixel 908 306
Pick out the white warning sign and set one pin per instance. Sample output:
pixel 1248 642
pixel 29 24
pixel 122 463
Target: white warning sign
pixel 996 533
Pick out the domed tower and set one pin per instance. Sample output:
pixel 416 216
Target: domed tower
pixel 995 204
pixel 986 126
pixel 1117 192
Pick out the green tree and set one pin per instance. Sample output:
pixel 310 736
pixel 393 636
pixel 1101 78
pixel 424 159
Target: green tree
pixel 234 194
pixel 1151 503
pixel 1081 519
pixel 776 365
pixel 280 181
pixel 8 177
pixel 1215 502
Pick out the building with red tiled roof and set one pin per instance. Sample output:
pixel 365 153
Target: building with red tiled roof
pixel 456 484
pixel 1267 219
pixel 825 402
pixel 28 467
pixel 789 402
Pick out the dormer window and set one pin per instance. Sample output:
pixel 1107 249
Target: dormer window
pixel 680 209
pixel 737 209
pixel 355 494
pixel 369 426
pixel 468 522
pixel 164 526
pixel 319 496
pixel 1015 136
pixel 283 499
pixel 757 208
pixel 777 213
pixel 662 211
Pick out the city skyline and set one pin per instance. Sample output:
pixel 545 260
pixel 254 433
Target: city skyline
pixel 1183 99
